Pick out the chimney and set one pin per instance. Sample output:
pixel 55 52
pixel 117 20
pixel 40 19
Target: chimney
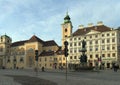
pixel 81 26
pixel 90 24
pixel 99 23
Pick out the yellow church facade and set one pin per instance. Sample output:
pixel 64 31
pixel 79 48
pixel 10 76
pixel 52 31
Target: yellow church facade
pixel 21 54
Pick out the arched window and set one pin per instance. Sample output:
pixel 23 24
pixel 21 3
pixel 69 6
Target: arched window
pixel 66 30
pixel 30 50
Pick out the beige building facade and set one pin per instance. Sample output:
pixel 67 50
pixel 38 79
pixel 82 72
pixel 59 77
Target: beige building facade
pixel 102 43
pixel 21 54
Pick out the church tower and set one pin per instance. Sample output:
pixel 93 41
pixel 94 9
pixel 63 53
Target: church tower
pixel 5 42
pixel 66 28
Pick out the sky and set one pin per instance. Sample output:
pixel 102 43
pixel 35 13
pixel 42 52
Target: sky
pixel 21 19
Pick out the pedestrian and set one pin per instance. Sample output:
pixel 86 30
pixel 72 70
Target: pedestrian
pixel 116 67
pixel 43 69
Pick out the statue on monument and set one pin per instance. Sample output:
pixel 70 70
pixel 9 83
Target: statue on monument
pixel 83 44
pixel 83 57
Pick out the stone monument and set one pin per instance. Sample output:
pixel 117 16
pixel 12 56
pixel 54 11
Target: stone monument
pixel 83 57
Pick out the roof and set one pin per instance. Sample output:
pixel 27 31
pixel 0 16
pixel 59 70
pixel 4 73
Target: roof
pixel 60 51
pixel 18 43
pixel 47 53
pixel 34 39
pixel 6 36
pixel 50 43
pixel 83 31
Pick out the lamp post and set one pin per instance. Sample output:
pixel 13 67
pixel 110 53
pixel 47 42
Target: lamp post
pixel 14 61
pixel 66 55
pixel 36 58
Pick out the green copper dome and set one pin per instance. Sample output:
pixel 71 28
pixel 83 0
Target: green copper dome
pixel 67 18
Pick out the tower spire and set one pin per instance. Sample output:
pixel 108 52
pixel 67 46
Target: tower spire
pixel 67 18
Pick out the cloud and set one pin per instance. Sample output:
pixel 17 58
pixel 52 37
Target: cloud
pixel 23 18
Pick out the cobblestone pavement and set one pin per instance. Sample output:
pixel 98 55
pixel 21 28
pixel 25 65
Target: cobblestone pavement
pixel 7 81
pixel 105 77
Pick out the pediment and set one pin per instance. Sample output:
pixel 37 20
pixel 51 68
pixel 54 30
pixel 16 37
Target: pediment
pixel 92 32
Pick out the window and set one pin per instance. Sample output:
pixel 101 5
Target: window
pixel 74 38
pixel 113 40
pixel 108 34
pixel 70 39
pixel 96 42
pixel 102 35
pixel 113 55
pixel 70 50
pixel 96 55
pixel 113 47
pixel 90 42
pixel 90 36
pixel 113 34
pixel 65 35
pixel 103 55
pixel 96 48
pixel 79 43
pixel 63 64
pixel 75 57
pixel 90 48
pixel 103 41
pixel 66 30
pixel 30 50
pixel 55 59
pixel 96 36
pixel 108 47
pixel 84 37
pixel 70 57
pixel 108 55
pixel 79 38
pixel 91 56
pixel 103 47
pixel 75 50
pixel 75 44
pixel 108 40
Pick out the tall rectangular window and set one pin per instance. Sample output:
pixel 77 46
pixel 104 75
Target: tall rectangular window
pixel 103 55
pixel 108 55
pixel 113 55
pixel 108 40
pixel 113 40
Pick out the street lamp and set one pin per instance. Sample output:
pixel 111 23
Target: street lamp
pixel 36 58
pixel 14 60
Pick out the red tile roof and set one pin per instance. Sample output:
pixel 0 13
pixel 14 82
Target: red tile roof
pixel 18 43
pixel 47 53
pixel 34 39
pixel 50 43
pixel 60 51
pixel 85 30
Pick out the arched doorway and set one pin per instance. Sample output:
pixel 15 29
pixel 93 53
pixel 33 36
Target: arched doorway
pixel 31 61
